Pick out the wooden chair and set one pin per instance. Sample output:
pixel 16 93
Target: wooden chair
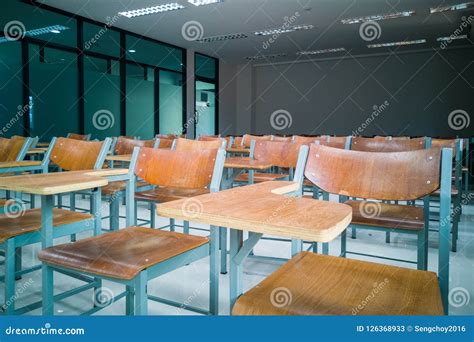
pixel 380 176
pixel 126 145
pixel 304 140
pixel 312 284
pixel 14 149
pixel 75 136
pixel 386 145
pixel 335 142
pixel 197 145
pixel 136 255
pixel 247 139
pixel 24 228
pixel 280 138
pixel 209 137
pixel 282 155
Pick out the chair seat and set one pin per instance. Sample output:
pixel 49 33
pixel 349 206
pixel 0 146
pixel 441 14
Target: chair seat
pixel 387 215
pixel 260 177
pixel 166 194
pixel 30 222
pixel 454 192
pixel 114 187
pixel 122 254
pixel 315 284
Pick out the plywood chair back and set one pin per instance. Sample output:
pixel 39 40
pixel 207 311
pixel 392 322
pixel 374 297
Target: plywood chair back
pixel 74 155
pixel 374 175
pixel 304 140
pixel 335 142
pixel 384 145
pixel 278 153
pixel 177 168
pixel 247 139
pixel 238 141
pixel 79 136
pixel 446 143
pixel 16 148
pixel 279 138
pixel 126 146
pixel 165 143
pixel 209 138
pixel 194 145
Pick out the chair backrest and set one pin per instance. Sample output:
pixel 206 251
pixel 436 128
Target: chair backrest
pixel 279 138
pixel 238 141
pixel 445 143
pixel 75 155
pixel 79 136
pixel 194 145
pixel 126 146
pixel 209 138
pixel 304 140
pixel 247 139
pixel 14 147
pixel 177 168
pixel 335 142
pixel 374 175
pixel 384 145
pixel 278 153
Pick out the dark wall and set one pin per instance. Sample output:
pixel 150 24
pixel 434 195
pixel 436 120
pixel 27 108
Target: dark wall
pixel 406 94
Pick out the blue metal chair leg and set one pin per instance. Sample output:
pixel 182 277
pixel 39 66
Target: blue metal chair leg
pixel 172 225
pixel 421 250
pixel 18 262
pixel 214 272
pixel 152 215
pixel 47 290
pixel 344 244
pixel 9 305
pixel 129 300
pixel 223 247
pixel 354 233
pixel 387 237
pixel 141 298
pixel 114 213
pixel 326 248
pixel 186 227
pixel 32 201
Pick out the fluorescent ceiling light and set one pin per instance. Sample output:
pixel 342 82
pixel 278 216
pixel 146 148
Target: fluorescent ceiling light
pixel 447 39
pixel 406 42
pixel 318 52
pixel 277 55
pixel 204 2
pixel 55 31
pixel 378 17
pixel 152 10
pixel 452 8
pixel 222 37
pixel 44 30
pixel 281 30
pixel 132 51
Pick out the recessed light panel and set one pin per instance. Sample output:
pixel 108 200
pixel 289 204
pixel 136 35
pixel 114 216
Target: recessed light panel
pixel 152 10
pixel 452 8
pixel 222 38
pixel 204 2
pixel 378 17
pixel 406 42
pixel 281 30
pixel 447 39
pixel 260 57
pixel 318 52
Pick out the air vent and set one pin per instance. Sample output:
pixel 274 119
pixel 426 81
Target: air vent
pixel 378 17
pixel 222 38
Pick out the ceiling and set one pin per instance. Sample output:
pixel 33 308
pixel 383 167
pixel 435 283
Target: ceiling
pixel 248 16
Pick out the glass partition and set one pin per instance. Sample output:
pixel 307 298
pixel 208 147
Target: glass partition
pixel 171 103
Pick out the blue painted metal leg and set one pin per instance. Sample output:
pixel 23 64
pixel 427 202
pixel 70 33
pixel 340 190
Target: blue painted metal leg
pixel 18 262
pixel 60 201
pixel 296 247
pixel 130 208
pixel 172 225
pixel 223 246
pixel 214 272
pixel 354 233
pixel 315 247
pixel 97 212
pixel 141 299
pixel 72 206
pixel 152 215
pixel 9 305
pixel 47 203
pixel 326 248
pixel 186 227
pixel 32 201
pixel 114 218
pixel 47 290
pixel 387 237
pixel 129 306
pixel 344 243
pixel 235 269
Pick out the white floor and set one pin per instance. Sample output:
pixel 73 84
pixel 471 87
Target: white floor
pixel 190 284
